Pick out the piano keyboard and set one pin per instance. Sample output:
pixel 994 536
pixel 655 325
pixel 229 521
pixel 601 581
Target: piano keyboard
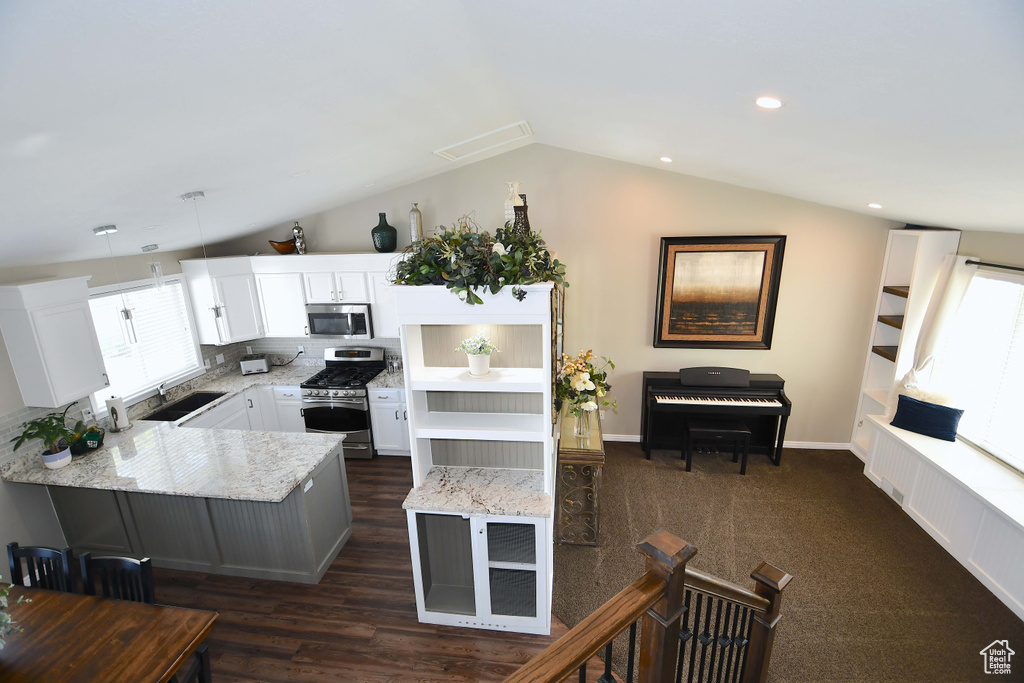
pixel 716 401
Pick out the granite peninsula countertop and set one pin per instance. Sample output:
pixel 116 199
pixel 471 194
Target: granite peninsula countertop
pixel 165 458
pixel 479 490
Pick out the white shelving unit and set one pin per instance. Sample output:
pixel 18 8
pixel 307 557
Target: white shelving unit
pixel 913 260
pixel 483 456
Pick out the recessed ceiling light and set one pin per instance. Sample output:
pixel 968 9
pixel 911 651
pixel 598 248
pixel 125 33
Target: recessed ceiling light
pixel 768 102
pixel 370 184
pixel 104 230
pixel 667 160
pixel 151 227
pixel 874 206
pixel 299 174
pixel 150 247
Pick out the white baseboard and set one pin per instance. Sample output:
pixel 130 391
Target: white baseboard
pixel 810 445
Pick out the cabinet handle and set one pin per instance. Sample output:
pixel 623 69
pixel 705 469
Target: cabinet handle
pixel 302 412
pixel 250 402
pixel 287 395
pixel 106 380
pixel 405 414
pixel 306 330
pixel 396 414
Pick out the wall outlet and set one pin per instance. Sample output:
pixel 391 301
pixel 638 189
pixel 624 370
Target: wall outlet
pixel 87 414
pixel 602 415
pixel 302 349
pixel 206 363
pixel 220 359
pixel 248 349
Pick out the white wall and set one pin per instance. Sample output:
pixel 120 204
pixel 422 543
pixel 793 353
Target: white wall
pixel 605 219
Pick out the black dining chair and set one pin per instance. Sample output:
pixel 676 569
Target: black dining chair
pixel 121 578
pixel 48 568
pixel 124 578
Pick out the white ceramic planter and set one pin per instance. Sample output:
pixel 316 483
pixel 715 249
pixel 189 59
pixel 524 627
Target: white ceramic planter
pixel 57 460
pixel 479 364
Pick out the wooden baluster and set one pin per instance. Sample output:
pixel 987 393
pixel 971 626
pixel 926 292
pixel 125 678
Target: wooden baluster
pixel 667 556
pixel 769 583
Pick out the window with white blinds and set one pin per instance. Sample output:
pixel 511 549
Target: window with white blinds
pixel 145 334
pixel 981 364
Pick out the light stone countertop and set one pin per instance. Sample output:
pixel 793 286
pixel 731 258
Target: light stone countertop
pixel 386 381
pixel 165 458
pixel 480 490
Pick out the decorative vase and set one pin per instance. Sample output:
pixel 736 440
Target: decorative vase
pixel 581 428
pixel 521 225
pixel 385 237
pixel 416 223
pixel 479 364
pixel 300 239
pixel 510 202
pixel 57 460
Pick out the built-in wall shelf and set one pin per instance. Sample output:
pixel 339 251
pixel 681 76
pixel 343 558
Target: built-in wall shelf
pixel 897 290
pixel 879 396
pixel 886 352
pixel 511 380
pixel 892 321
pixel 483 426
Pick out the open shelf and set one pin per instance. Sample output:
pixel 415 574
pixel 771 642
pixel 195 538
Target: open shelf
pixel 892 321
pixel 498 379
pixel 879 396
pixel 886 352
pixel 483 426
pixel 451 599
pixel 897 290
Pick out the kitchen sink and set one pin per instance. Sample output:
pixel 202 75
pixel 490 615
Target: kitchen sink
pixel 179 409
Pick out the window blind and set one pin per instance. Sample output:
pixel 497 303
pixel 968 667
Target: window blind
pixel 981 364
pixel 145 337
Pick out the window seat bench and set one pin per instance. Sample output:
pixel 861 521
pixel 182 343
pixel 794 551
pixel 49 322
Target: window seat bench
pixel 972 505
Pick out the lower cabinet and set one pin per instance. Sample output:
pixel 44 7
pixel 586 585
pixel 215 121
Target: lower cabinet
pixel 288 409
pixel 264 408
pixel 389 420
pixel 482 571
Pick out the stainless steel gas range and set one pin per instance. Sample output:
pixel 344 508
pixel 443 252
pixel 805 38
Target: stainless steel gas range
pixel 334 399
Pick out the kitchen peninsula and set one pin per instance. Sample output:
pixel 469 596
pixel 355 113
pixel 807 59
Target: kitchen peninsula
pixel 260 504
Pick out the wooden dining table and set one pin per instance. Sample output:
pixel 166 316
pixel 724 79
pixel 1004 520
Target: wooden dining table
pixel 70 637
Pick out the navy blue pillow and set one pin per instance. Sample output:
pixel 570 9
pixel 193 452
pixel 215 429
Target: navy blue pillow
pixel 926 418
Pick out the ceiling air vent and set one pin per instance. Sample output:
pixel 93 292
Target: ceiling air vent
pixel 482 143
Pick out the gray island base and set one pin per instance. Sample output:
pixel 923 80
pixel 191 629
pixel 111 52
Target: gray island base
pixel 254 504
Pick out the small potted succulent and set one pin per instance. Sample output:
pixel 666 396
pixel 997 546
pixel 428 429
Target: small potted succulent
pixel 53 431
pixel 478 350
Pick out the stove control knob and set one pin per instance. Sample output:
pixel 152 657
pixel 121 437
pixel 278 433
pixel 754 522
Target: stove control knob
pixel 335 393
pixel 318 393
pixel 350 393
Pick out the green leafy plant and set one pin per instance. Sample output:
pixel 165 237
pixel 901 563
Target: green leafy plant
pixel 7 624
pixel 582 384
pixel 479 345
pixel 51 429
pixel 465 258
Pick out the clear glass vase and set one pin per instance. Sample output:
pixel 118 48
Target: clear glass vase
pixel 581 429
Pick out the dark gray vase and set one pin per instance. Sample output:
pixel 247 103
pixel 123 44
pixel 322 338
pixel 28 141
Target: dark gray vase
pixel 385 237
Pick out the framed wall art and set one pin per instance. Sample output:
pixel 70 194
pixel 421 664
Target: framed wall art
pixel 718 292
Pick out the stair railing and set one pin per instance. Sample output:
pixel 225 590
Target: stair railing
pixel 692 626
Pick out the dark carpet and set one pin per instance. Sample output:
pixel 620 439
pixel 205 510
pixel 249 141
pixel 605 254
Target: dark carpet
pixel 873 598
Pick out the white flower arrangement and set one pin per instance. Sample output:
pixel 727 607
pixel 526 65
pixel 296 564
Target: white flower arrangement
pixel 479 345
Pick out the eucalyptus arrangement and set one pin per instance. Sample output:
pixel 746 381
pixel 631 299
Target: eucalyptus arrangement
pixel 465 257
pixel 7 624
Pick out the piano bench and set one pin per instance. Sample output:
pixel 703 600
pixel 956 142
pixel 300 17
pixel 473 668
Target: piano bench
pixel 717 432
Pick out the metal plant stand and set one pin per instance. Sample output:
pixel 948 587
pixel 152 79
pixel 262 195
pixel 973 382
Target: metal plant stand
pixel 580 461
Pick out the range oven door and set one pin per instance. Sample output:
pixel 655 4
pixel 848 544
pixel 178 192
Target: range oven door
pixel 347 322
pixel 348 416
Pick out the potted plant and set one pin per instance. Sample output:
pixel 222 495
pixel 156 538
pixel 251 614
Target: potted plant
pixel 466 258
pixel 478 350
pixel 53 431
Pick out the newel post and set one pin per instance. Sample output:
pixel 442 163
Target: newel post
pixel 769 583
pixel 667 556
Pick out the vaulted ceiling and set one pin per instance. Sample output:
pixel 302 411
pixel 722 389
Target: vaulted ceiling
pixel 110 111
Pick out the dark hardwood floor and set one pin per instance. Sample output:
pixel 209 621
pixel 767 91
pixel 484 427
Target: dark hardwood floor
pixel 359 623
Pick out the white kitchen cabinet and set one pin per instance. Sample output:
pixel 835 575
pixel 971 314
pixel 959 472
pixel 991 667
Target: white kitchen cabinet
pixel 288 409
pixel 282 304
pixel 268 410
pixel 336 287
pixel 484 571
pixel 389 420
pixel 253 409
pixel 224 299
pixel 51 340
pixel 382 306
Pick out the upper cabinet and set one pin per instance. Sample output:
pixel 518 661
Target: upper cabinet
pixel 383 308
pixel 283 304
pixel 224 299
pixel 336 287
pixel 51 340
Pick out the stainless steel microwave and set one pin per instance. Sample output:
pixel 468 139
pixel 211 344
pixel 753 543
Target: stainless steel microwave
pixel 348 321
